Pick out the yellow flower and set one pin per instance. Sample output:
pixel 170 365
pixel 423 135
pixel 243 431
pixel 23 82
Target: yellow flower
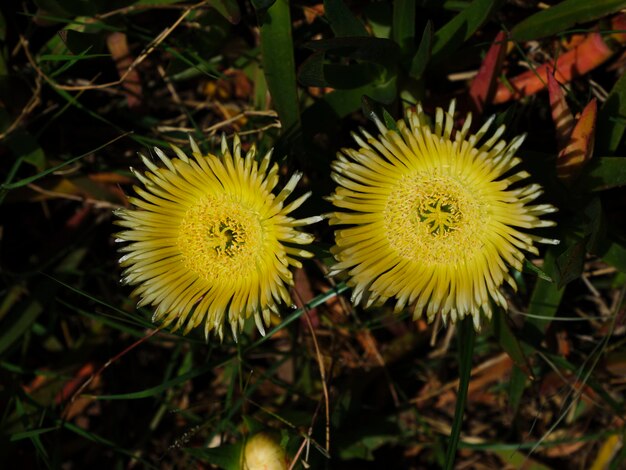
pixel 437 216
pixel 209 240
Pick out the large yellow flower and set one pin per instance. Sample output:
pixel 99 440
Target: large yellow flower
pixel 209 239
pixel 437 216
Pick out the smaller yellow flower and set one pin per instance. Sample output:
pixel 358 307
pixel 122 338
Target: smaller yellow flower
pixel 209 240
pixel 436 216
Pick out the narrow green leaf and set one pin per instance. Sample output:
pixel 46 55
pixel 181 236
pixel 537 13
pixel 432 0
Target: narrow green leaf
pixel 30 179
pixel 41 450
pixel 377 50
pixel 93 437
pixel 18 436
pixel 262 5
pixel 11 333
pixel 501 331
pixel 604 173
pixel 403 24
pixel 390 122
pixel 229 9
pixel 612 119
pixel 513 446
pixel 372 109
pixel 3 27
pixel 462 26
pixel 24 146
pixel 279 63
pixel 466 336
pixel 158 389
pixel 570 263
pixel 615 255
pixel 342 21
pixel 532 269
pixel 562 16
pixel 422 56
pixel 595 224
pixel 70 57
pixel 314 72
pixel 324 114
pixel 517 384
pixel 544 301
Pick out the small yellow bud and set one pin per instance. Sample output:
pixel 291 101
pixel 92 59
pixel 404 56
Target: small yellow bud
pixel 263 452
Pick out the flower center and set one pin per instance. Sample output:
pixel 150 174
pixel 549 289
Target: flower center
pixel 434 219
pixel 220 238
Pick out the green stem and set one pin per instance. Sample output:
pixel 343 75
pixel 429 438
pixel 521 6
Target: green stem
pixel 465 337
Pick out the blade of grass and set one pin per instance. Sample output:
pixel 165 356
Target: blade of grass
pixel 544 301
pixel 279 63
pixel 30 179
pixel 403 24
pixel 26 318
pixel 562 16
pixel 41 450
pixel 466 337
pixel 422 56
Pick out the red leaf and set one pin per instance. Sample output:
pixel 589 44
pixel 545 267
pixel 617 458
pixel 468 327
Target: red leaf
pixel 483 86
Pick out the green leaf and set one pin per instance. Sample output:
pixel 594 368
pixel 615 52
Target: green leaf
pixel 604 173
pixel 562 16
pixel 342 21
pixel 360 442
pixel 279 63
pixel 229 9
pixel 501 331
pixel 615 255
pixel 530 268
pixel 544 301
pixel 261 6
pixel 373 110
pixel 422 56
pixel 323 115
pixel 18 436
pixel 71 57
pixel 466 337
pixel 403 24
pixel 25 146
pixel 319 69
pixel 376 50
pixel 3 27
pixel 517 384
pixel 30 179
pixel 595 224
pixel 158 389
pixel 570 263
pixel 612 119
pixel 317 73
pixel 462 27
pixel 28 313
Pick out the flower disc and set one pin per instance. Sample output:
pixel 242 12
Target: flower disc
pixel 210 240
pixel 437 217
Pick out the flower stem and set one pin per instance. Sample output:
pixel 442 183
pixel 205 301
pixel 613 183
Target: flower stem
pixel 465 337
